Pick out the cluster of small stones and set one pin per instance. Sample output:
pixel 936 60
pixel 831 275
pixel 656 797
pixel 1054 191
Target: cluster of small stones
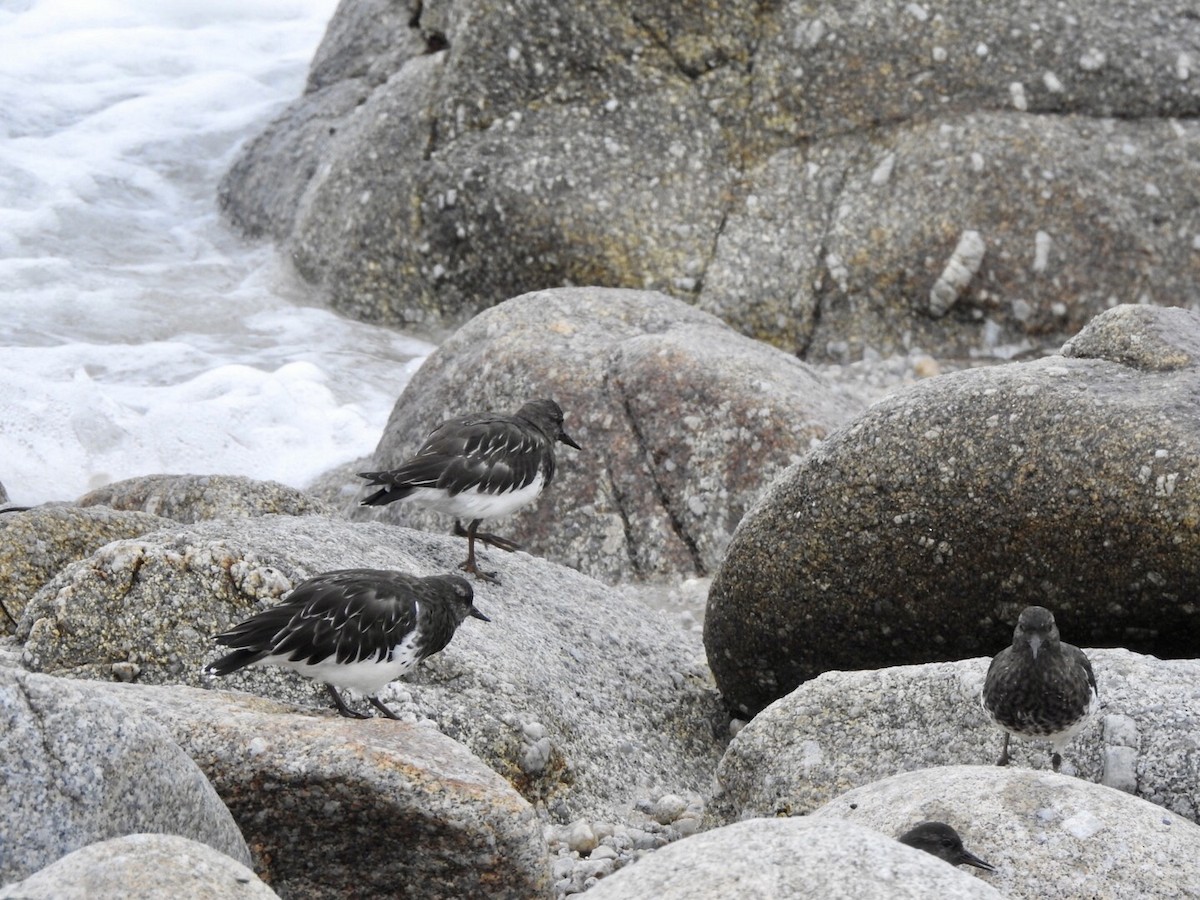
pixel 582 852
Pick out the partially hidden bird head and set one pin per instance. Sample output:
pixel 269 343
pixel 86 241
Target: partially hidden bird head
pixel 463 598
pixel 943 842
pixel 1035 630
pixel 548 416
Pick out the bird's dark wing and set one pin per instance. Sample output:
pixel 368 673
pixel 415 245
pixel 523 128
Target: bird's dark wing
pixel 1081 659
pixel 998 662
pixel 491 453
pixel 351 615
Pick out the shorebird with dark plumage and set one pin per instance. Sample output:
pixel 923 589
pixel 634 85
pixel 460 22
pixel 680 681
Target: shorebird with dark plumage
pixel 1040 688
pixel 943 842
pixel 479 466
pixel 358 629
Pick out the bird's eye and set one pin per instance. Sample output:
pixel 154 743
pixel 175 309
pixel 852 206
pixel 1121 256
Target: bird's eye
pixel 946 842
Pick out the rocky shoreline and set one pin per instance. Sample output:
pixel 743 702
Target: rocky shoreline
pixel 567 744
pixel 859 315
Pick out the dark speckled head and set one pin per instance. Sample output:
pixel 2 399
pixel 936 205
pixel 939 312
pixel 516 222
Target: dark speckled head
pixel 943 842
pixel 548 417
pixel 1035 629
pixel 461 594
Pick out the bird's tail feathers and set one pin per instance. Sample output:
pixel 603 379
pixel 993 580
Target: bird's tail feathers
pixel 389 490
pixel 231 662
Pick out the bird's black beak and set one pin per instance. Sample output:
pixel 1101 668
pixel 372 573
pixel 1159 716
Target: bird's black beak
pixel 1035 644
pixel 971 859
pixel 566 439
pixel 476 614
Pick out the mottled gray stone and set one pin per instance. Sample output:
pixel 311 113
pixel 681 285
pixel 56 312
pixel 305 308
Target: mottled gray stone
pixel 1059 207
pixel 1050 837
pixel 299 142
pixel 334 807
pixel 78 768
pixel 624 704
pixel 790 859
pixel 719 152
pixel 843 730
pixel 369 40
pixel 442 227
pixel 919 530
pixel 1145 338
pixel 1113 59
pixel 3 494
pixel 193 498
pixel 38 543
pixel 142 865
pixel 682 421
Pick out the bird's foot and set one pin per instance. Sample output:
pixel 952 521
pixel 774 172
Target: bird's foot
pixel 342 708
pixel 470 567
pixel 378 704
pixel 1056 761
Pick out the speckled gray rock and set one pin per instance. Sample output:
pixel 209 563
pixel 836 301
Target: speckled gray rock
pixel 78 768
pixel 717 151
pixel 193 498
pixel 334 807
pixel 1049 836
pixel 36 544
pixel 3 494
pixel 367 46
pixel 581 698
pixel 790 859
pixel 847 729
pixel 142 865
pixel 682 421
pixel 921 529
pixel 1062 215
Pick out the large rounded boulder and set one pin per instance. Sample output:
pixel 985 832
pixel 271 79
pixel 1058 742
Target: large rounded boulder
pixel 920 530
pixel 1028 163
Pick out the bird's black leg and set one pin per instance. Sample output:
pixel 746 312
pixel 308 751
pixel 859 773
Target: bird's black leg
pixel 492 540
pixel 378 704
pixel 1003 760
pixel 1056 760
pixel 341 705
pixel 469 565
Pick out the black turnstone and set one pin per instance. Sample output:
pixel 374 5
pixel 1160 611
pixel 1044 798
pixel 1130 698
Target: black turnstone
pixel 352 628
pixel 943 842
pixel 479 466
pixel 1039 688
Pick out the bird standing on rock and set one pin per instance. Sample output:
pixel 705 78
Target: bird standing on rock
pixel 943 842
pixel 479 466
pixel 354 628
pixel 1039 688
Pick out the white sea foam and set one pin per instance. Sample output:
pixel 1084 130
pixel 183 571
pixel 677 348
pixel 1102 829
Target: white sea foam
pixel 137 333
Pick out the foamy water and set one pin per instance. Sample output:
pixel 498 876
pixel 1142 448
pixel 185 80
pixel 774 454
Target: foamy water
pixel 137 333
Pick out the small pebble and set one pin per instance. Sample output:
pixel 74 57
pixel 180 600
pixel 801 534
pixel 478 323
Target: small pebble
pixel 598 868
pixel 581 838
pixel 562 868
pixel 926 367
pixel 687 824
pixel 668 808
